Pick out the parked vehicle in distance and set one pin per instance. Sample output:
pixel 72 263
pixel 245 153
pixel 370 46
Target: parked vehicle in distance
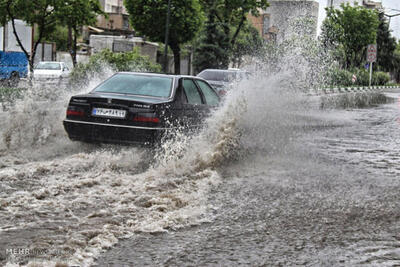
pixel 132 107
pixel 221 80
pixel 13 61
pixel 50 70
pixel 13 66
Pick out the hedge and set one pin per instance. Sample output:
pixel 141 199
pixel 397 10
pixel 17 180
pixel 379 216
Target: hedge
pixel 340 77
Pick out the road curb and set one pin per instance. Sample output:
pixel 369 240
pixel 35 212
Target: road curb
pixel 340 90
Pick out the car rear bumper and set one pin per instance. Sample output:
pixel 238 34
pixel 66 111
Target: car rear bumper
pixel 111 133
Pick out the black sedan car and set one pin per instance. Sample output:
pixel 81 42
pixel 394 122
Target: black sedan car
pixel 132 107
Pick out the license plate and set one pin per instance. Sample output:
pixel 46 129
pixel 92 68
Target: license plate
pixel 109 113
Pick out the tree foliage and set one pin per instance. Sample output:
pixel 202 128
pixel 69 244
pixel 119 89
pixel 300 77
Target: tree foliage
pixel 350 29
pixel 148 18
pixel 210 52
pixel 59 36
pixel 386 45
pixel 74 14
pixel 249 42
pixel 396 62
pixel 226 19
pixel 232 14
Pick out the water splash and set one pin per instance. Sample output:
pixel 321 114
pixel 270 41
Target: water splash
pixel 92 197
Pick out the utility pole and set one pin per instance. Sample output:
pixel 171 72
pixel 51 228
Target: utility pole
pixel 166 38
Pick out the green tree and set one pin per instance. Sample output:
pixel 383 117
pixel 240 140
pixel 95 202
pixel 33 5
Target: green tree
pixel 39 13
pixel 396 62
pixel 74 14
pixel 148 18
pixel 386 45
pixel 210 52
pixel 60 37
pixel 350 29
pixel 229 18
pixel 249 42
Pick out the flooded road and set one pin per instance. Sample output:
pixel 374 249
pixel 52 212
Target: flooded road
pixel 271 181
pixel 331 198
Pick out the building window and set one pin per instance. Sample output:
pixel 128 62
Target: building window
pixel 125 23
pixel 266 22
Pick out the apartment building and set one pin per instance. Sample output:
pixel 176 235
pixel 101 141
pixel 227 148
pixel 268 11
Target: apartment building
pixel 117 20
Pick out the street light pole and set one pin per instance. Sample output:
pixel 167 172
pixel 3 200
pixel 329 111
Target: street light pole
pixel 166 38
pixel 390 17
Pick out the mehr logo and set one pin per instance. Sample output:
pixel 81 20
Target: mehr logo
pixel 24 253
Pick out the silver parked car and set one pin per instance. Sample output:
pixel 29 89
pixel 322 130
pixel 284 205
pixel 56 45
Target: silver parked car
pixel 222 80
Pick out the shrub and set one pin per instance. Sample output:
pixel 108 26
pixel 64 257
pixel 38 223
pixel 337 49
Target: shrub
pixel 380 78
pixel 362 77
pixel 340 77
pixel 99 63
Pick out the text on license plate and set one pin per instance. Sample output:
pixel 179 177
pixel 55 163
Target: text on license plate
pixel 108 112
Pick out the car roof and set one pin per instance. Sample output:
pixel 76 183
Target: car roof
pixel 156 74
pixel 50 62
pixel 220 70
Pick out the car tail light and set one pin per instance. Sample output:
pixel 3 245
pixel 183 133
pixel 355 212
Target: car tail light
pixel 146 119
pixel 71 112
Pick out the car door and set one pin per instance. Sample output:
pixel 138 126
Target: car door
pixel 194 108
pixel 210 95
pixel 176 109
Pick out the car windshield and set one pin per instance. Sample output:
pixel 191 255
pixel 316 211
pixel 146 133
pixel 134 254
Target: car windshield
pixel 136 84
pixel 48 66
pixel 217 75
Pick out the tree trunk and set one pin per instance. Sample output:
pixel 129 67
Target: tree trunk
pixel 177 57
pixel 73 54
pixel 235 35
pixel 69 44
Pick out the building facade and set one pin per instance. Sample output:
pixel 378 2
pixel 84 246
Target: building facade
pixel 118 18
pixel 366 3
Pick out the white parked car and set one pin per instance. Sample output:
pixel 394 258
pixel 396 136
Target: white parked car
pixel 50 70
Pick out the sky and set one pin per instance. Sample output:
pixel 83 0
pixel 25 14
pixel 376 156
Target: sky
pixel 389 5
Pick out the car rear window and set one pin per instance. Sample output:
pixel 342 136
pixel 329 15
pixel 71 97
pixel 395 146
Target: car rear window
pixel 136 84
pixel 48 66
